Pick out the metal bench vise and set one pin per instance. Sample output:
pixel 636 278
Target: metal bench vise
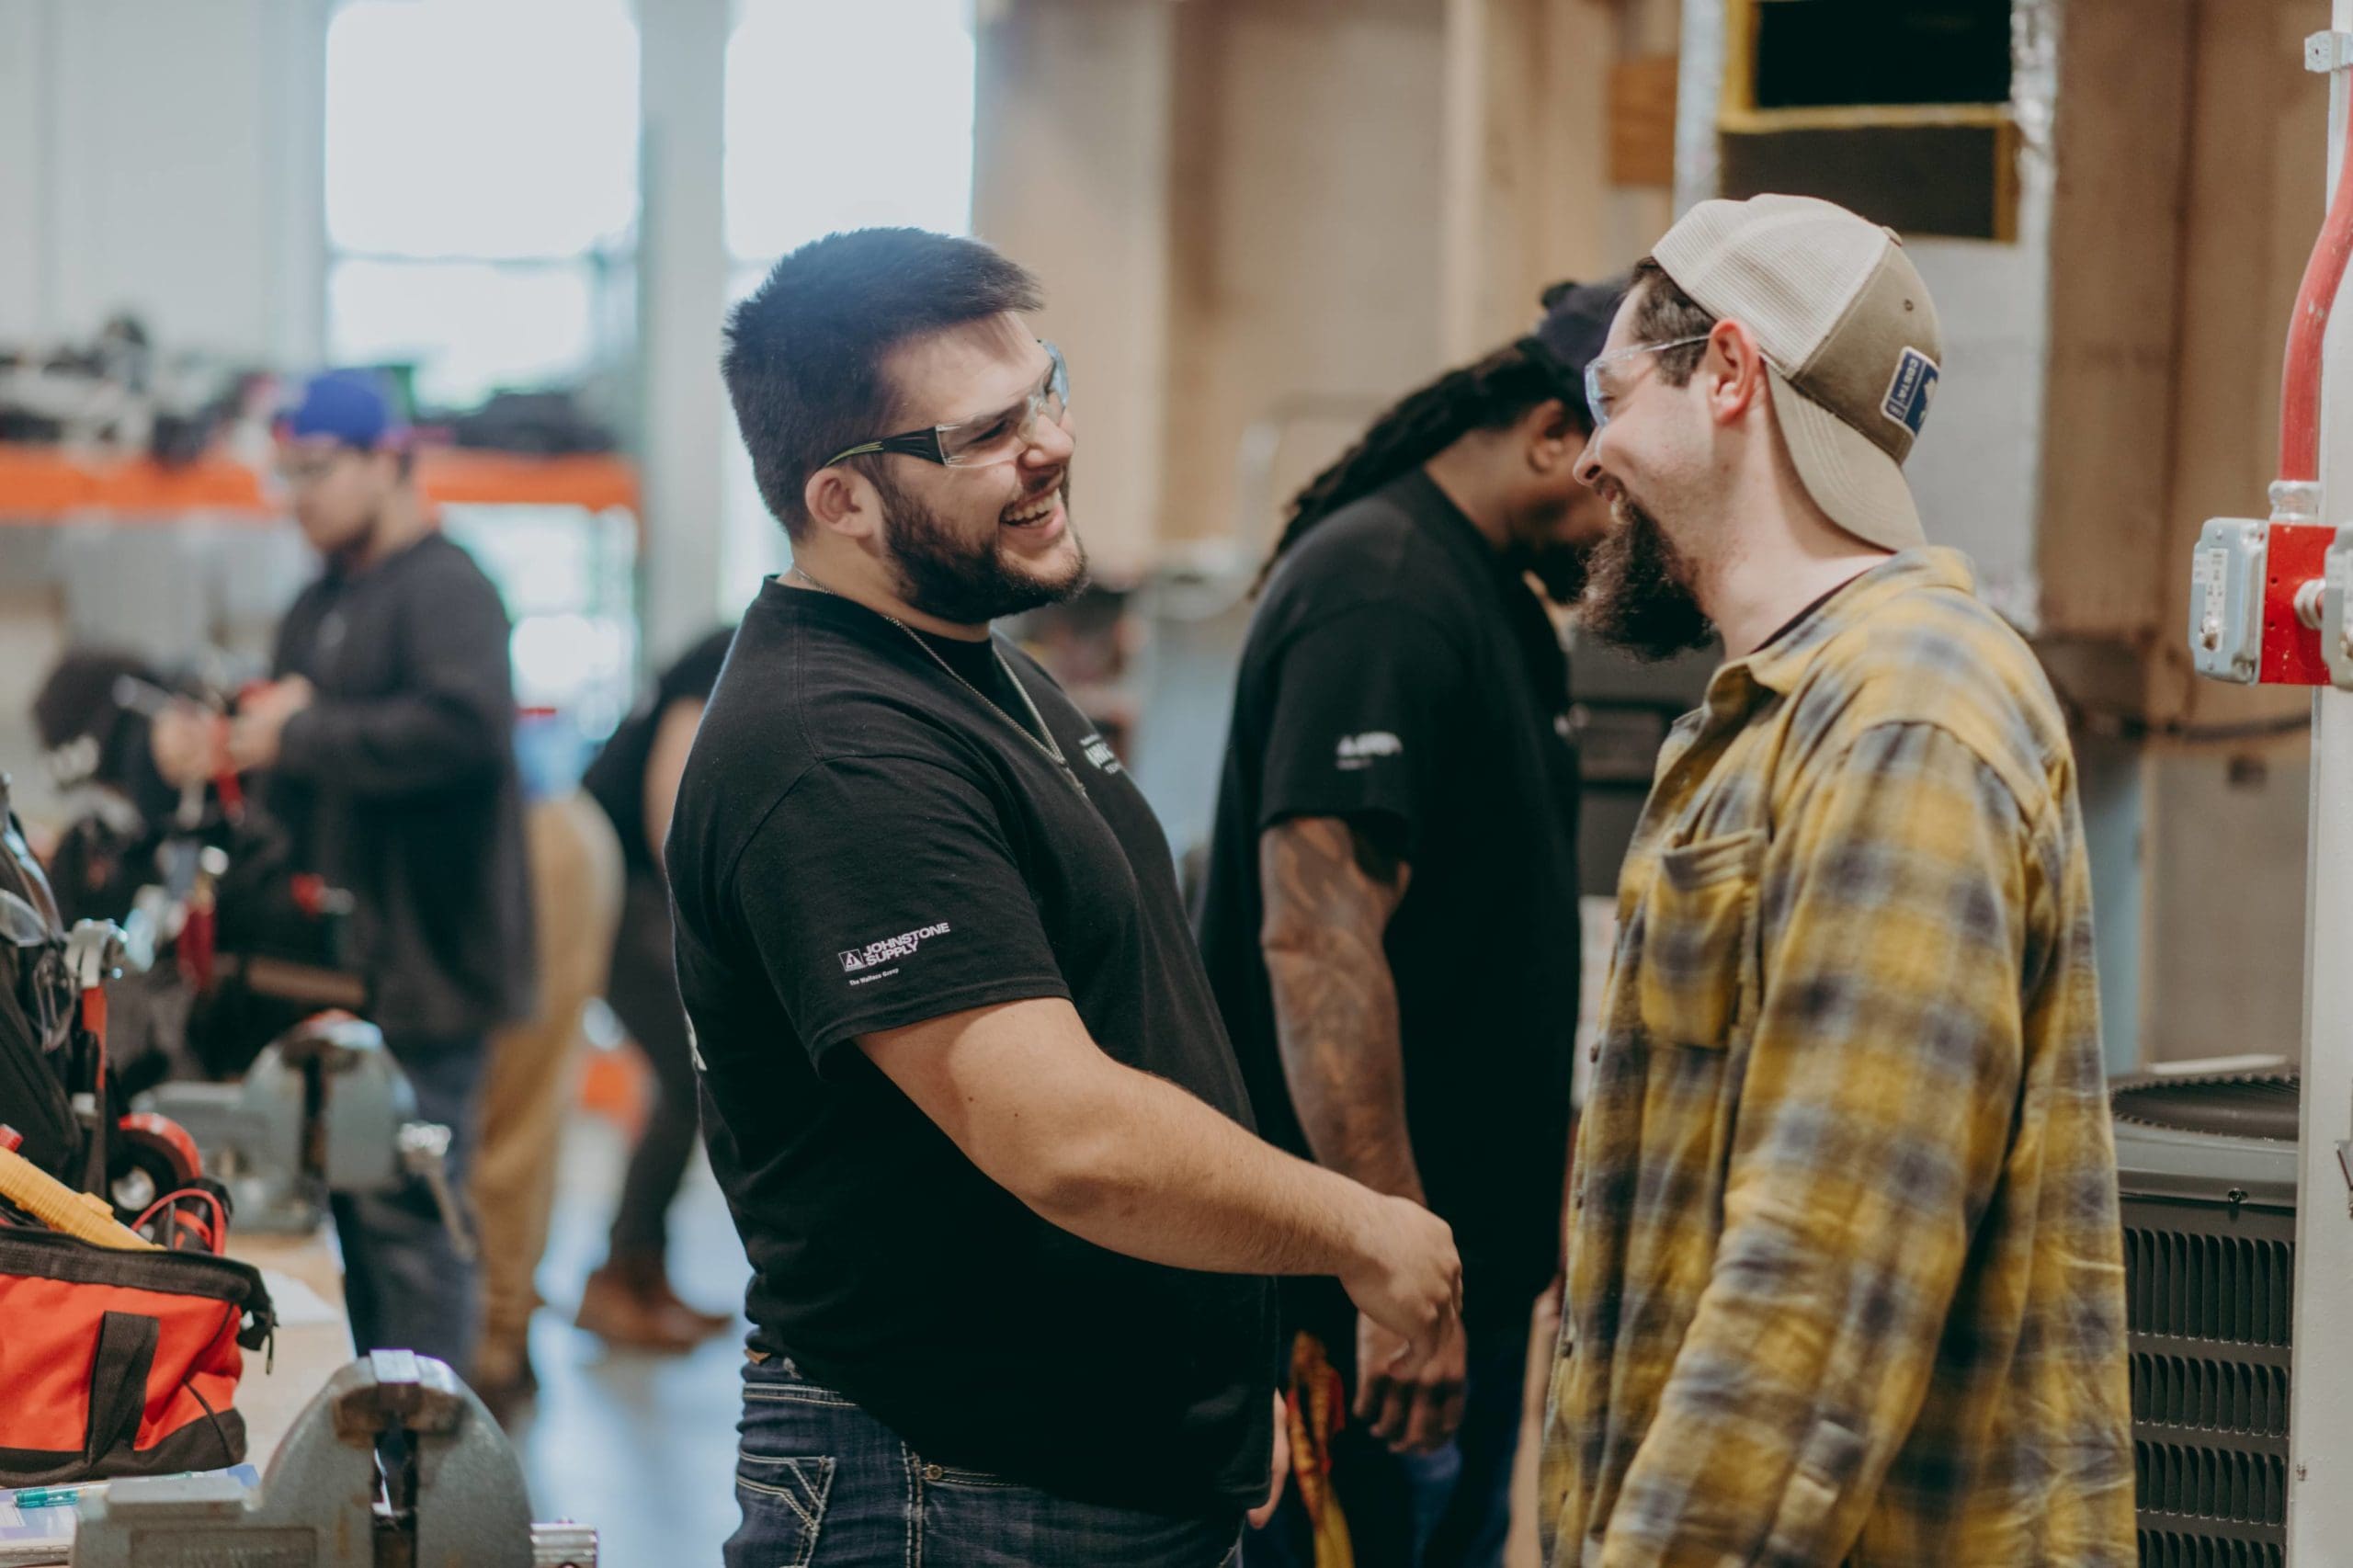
pixel 395 1464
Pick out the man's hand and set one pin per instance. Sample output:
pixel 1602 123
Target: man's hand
pixel 260 723
pixel 183 738
pixel 1410 1283
pixel 1265 1511
pixel 1413 1405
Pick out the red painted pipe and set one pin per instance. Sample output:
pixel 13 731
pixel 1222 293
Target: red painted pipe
pixel 2300 385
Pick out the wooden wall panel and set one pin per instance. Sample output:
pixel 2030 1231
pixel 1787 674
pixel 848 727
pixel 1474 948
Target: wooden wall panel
pixel 2121 155
pixel 1641 121
pixel 1071 178
pixel 2257 162
pixel 1303 231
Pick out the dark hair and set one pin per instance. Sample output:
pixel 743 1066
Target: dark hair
pixel 1493 394
pixel 1665 313
pixel 804 354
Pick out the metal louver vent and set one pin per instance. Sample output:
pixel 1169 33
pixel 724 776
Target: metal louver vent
pixel 2224 1287
pixel 2178 1391
pixel 2164 1549
pixel 2207 1168
pixel 2213 1483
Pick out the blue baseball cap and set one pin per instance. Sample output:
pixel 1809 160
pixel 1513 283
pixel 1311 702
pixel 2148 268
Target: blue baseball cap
pixel 346 406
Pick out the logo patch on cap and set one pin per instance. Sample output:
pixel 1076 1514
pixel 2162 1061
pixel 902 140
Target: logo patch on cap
pixel 1910 390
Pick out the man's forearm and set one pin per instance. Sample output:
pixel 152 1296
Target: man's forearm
pixel 1329 895
pixel 1136 1164
pixel 1164 1177
pixel 394 746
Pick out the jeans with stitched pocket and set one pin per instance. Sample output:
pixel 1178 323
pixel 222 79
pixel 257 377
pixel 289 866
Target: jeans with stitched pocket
pixel 824 1484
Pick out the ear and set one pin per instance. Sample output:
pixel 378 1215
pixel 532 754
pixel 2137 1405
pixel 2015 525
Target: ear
pixel 1553 437
pixel 1733 372
pixel 843 501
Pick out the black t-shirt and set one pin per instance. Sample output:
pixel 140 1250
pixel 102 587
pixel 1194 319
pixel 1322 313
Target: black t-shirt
pixel 978 666
pixel 616 778
pixel 1400 676
pixel 862 842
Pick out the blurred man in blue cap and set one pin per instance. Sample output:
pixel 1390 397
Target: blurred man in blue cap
pixel 386 737
pixel 1390 915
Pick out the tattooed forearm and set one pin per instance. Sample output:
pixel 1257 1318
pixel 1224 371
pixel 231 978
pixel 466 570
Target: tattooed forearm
pixel 1329 892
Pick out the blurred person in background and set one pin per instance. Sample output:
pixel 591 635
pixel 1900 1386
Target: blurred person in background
pixel 385 745
pixel 629 1300
pixel 1390 913
pixel 530 1083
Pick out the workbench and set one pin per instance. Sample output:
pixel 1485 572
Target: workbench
pixel 308 1352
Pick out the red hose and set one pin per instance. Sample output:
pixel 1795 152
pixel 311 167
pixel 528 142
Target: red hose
pixel 2300 385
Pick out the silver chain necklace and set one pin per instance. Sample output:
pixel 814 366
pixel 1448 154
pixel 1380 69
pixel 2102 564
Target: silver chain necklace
pixel 1042 739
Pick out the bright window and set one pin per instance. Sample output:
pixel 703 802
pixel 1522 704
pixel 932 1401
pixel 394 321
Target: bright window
pixel 847 116
pixel 838 116
pixel 482 188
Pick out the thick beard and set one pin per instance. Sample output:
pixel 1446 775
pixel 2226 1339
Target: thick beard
pixel 1638 596
pixel 963 584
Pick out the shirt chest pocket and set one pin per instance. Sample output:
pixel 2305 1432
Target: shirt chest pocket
pixel 1698 982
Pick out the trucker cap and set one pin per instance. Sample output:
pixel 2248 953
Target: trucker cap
pixel 1849 336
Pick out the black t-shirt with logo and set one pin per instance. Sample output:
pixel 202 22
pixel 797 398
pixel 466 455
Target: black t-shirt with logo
pixel 1400 676
pixel 862 842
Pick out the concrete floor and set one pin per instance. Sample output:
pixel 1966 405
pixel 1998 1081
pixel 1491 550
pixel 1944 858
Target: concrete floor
pixel 641 1447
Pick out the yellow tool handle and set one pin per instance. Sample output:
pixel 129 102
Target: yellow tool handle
pixel 58 1206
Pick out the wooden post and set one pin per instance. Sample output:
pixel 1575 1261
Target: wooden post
pixel 1526 193
pixel 1071 179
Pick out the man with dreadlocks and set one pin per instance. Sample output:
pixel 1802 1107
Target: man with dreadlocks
pixel 1391 917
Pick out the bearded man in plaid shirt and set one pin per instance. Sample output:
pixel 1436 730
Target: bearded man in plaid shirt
pixel 1845 1280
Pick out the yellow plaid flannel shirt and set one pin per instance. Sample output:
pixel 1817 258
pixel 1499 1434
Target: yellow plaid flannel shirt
pixel 1845 1281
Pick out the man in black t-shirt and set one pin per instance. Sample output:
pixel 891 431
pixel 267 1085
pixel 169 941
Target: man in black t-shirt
pixel 1390 914
pixel 964 1084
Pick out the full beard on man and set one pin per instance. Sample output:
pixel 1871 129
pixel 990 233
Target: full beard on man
pixel 1638 595
pixel 965 583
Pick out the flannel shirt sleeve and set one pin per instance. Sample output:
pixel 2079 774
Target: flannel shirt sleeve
pixel 1872 1127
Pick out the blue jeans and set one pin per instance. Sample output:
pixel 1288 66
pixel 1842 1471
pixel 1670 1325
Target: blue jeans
pixel 823 1484
pixel 1446 1509
pixel 403 1283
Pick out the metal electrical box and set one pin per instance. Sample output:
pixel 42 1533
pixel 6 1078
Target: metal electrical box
pixel 2226 599
pixel 2336 634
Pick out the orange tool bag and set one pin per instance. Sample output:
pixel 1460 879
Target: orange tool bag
pixel 120 1362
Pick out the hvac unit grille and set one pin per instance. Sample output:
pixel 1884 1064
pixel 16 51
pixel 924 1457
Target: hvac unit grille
pixel 2163 1549
pixel 2210 1276
pixel 2225 1288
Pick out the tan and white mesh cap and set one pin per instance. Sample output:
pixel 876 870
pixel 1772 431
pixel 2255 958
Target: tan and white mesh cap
pixel 1850 336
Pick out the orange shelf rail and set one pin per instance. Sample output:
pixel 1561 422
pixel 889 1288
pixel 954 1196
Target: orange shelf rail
pixel 41 484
